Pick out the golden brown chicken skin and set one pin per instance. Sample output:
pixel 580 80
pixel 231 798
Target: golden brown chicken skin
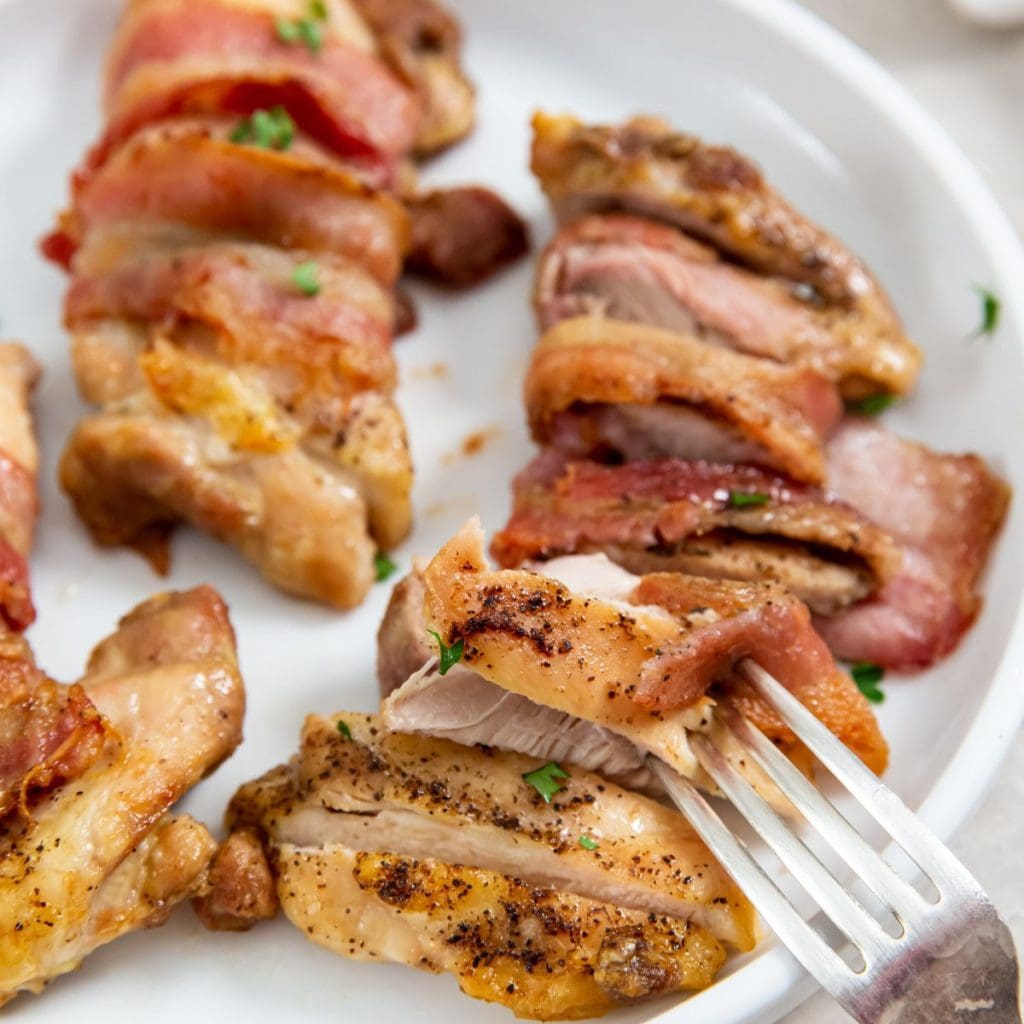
pixel 103 854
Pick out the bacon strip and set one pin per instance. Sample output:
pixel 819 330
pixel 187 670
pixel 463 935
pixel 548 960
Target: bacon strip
pixel 946 511
pixel 593 385
pixel 632 268
pixel 676 514
pixel 183 173
pixel 336 342
pixel 183 58
pixel 49 733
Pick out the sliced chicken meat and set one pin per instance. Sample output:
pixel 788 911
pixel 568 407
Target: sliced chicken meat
pixel 19 502
pixel 631 268
pixel 711 519
pixel 303 517
pixel 946 511
pixel 189 173
pixel 636 656
pixel 421 851
pixel 102 856
pixel 599 387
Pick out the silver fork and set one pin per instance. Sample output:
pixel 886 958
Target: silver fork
pixel 953 962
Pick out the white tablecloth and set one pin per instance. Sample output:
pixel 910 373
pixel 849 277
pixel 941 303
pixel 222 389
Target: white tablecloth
pixel 972 79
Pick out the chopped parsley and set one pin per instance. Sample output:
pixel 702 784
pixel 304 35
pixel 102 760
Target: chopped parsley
pixel 991 307
pixel 587 843
pixel 304 277
pixel 344 729
pixel 547 779
pixel 308 31
pixel 450 655
pixel 383 566
pixel 872 405
pixel 266 129
pixel 745 499
pixel 867 676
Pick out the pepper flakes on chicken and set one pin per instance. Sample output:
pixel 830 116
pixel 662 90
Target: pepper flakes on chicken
pixel 90 848
pixel 444 857
pixel 720 198
pixel 585 661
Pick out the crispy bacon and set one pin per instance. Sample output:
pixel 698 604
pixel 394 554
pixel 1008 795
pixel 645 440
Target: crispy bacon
pixel 184 58
pixel 422 41
pixel 680 515
pixel 19 502
pixel 336 342
pixel 187 173
pixel 598 386
pixel 461 236
pixel 946 511
pixel 49 733
pixel 632 268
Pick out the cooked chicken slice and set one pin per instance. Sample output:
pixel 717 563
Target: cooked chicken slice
pixel 19 504
pixel 709 519
pixel 635 656
pixel 240 886
pixel 446 858
pixel 102 857
pixel 187 173
pixel 712 192
pixel 946 511
pixel 301 520
pixel 214 57
pixel 369 789
pixel 315 348
pixel 631 268
pixel 461 236
pixel 602 387
pixel 422 41
pixel 545 955
pixel 402 645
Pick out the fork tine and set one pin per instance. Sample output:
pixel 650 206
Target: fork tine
pixel 822 816
pixel 841 908
pixel 802 941
pixel 884 806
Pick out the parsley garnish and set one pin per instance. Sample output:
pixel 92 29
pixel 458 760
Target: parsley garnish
pixel 743 499
pixel 587 843
pixel 547 779
pixel 304 277
pixel 867 676
pixel 383 566
pixel 991 307
pixel 344 729
pixel 309 30
pixel 872 405
pixel 267 129
pixel 449 655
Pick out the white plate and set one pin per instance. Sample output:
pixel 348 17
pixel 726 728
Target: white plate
pixel 831 129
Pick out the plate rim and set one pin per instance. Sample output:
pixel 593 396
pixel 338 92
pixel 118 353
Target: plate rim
pixel 955 794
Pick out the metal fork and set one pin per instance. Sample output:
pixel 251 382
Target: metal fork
pixel 953 962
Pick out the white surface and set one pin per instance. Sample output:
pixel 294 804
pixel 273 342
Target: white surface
pixel 852 151
pixel 973 81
